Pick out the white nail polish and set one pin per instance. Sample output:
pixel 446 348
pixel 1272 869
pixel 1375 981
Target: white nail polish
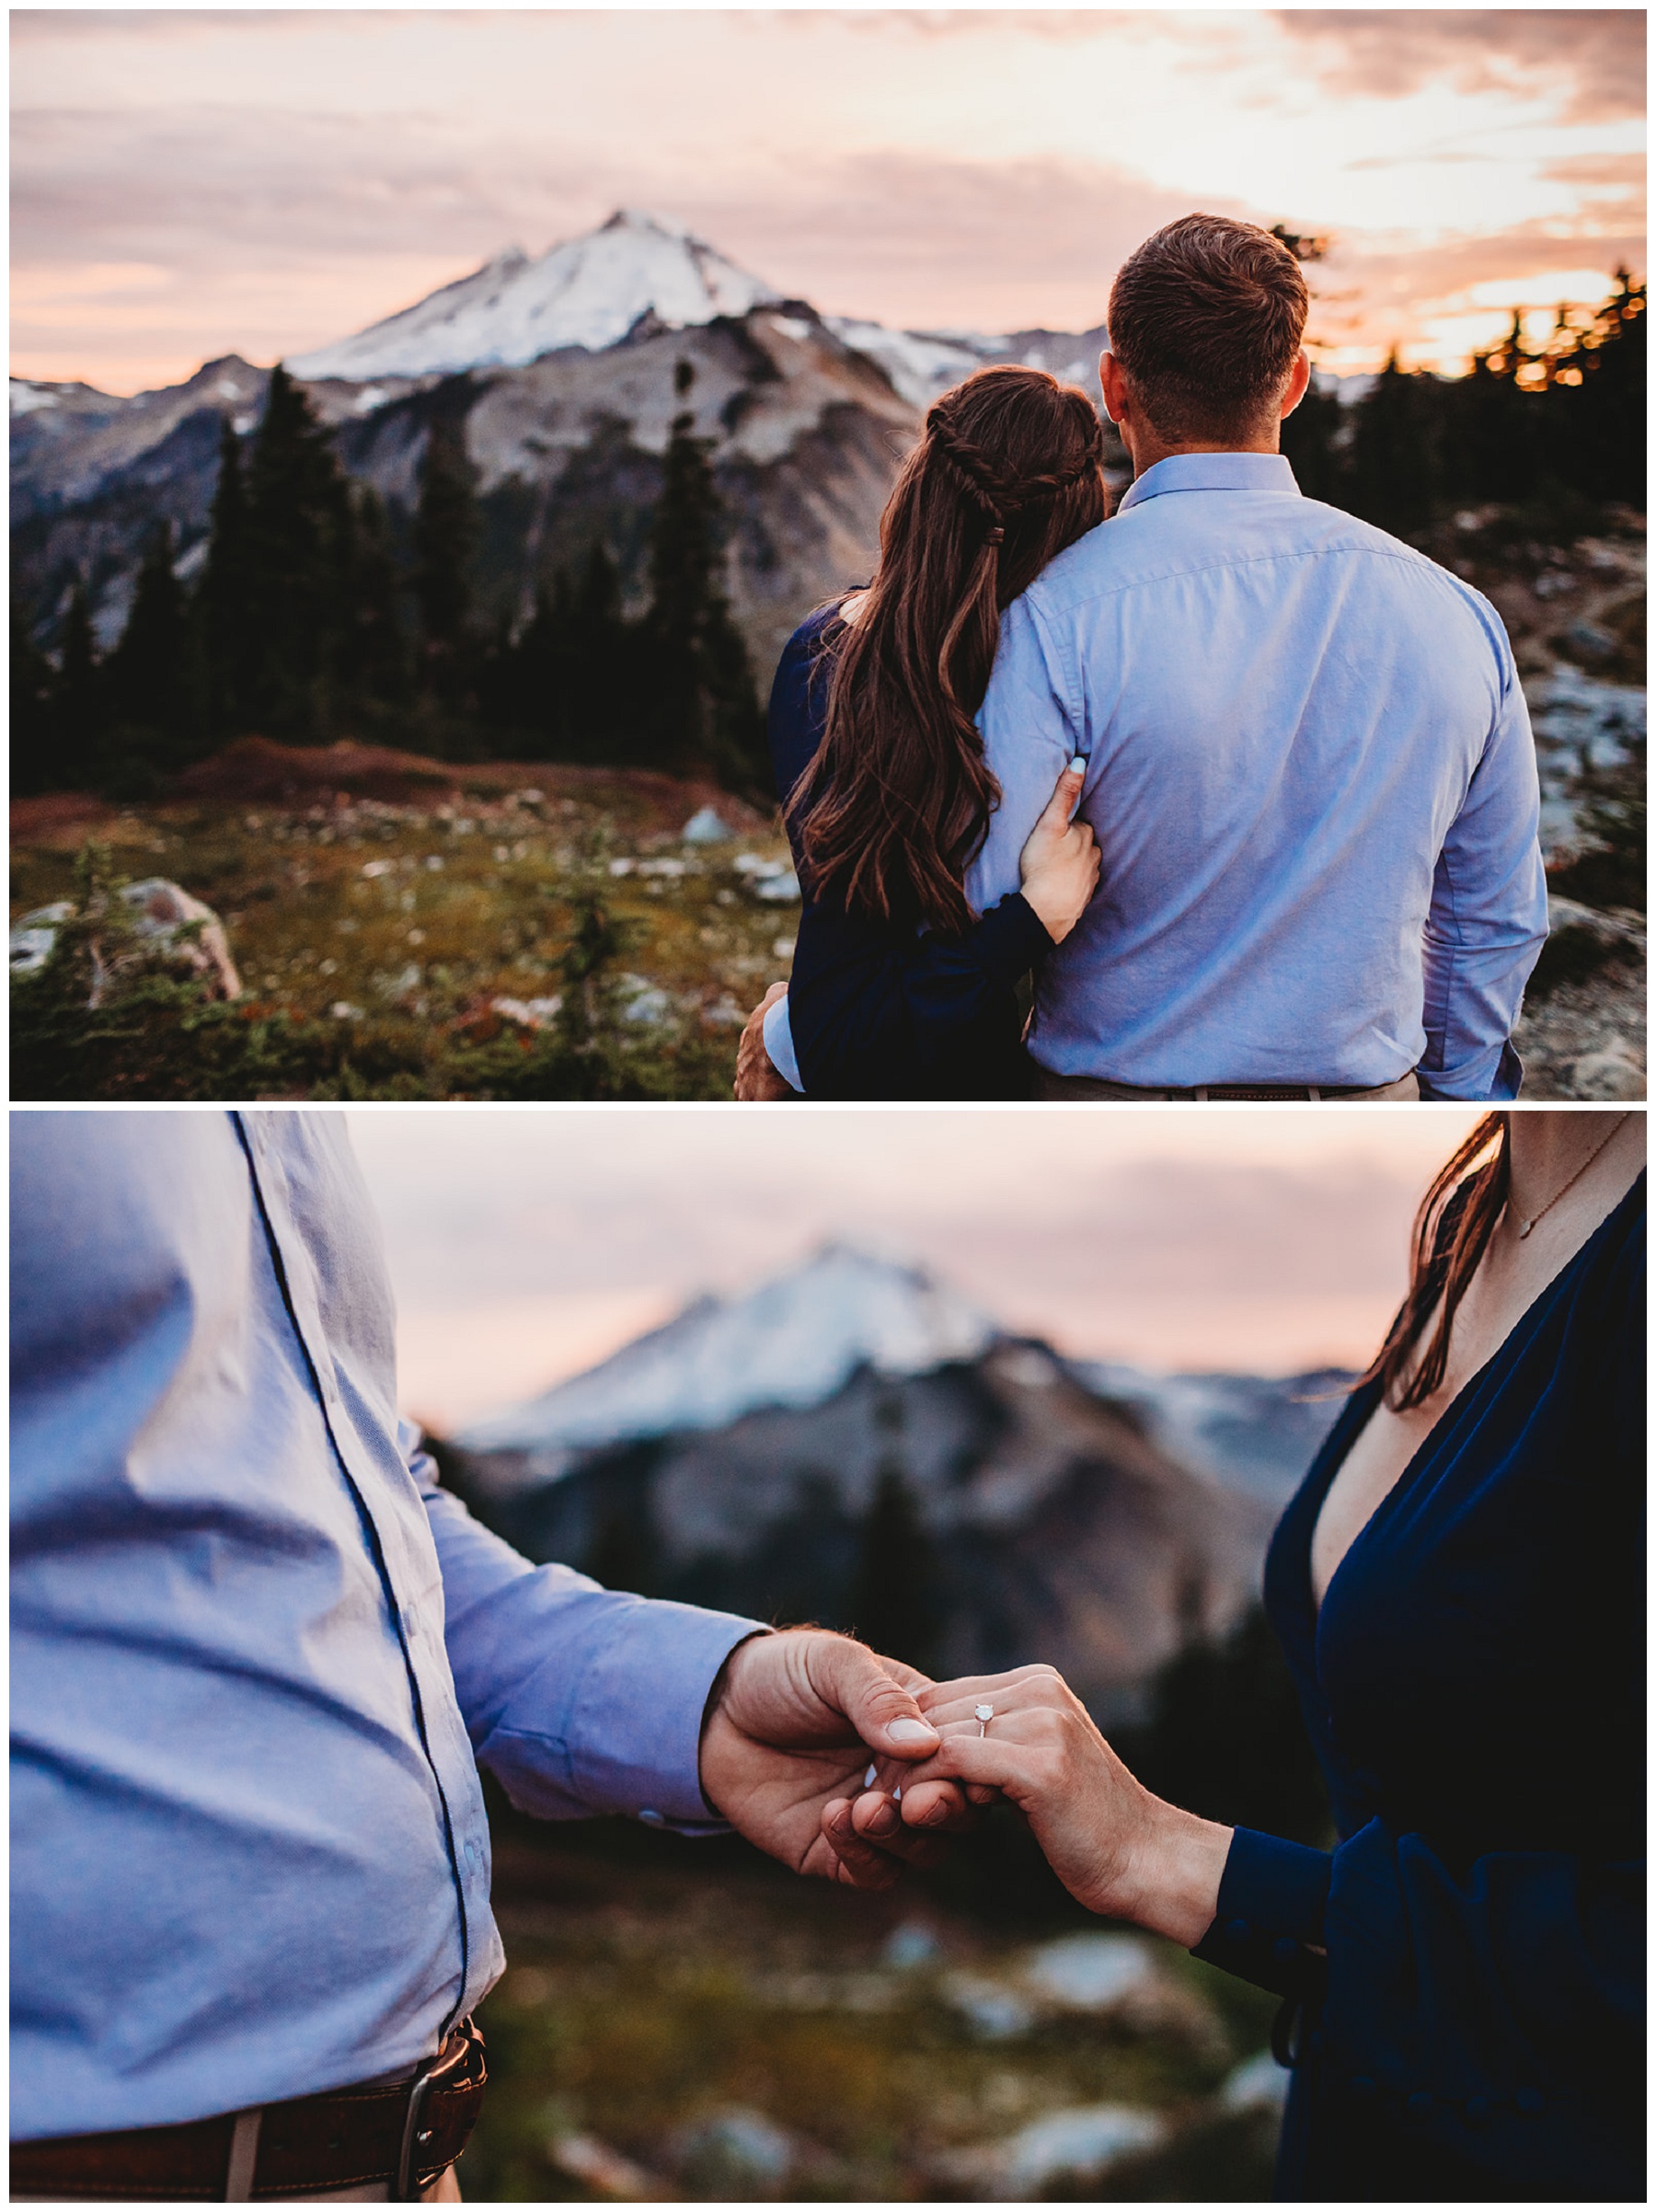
pixel 868 1777
pixel 1079 765
pixel 897 1794
pixel 906 1730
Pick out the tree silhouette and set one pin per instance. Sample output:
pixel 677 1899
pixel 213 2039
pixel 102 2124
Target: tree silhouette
pixel 895 1598
pixel 34 752
pixel 706 709
pixel 445 540
pixel 226 607
pixel 298 567
pixel 78 707
pixel 152 695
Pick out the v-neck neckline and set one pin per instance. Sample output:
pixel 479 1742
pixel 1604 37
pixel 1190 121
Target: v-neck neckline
pixel 1411 1467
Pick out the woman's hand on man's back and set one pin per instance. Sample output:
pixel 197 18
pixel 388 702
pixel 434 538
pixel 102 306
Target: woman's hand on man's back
pixel 1059 864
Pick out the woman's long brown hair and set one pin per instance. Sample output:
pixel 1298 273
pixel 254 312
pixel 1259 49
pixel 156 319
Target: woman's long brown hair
pixel 1451 1232
pixel 897 802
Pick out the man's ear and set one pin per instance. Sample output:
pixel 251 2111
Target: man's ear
pixel 1299 382
pixel 1112 379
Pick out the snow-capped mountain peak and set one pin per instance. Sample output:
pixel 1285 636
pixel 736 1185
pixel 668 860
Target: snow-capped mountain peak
pixel 792 1342
pixel 589 292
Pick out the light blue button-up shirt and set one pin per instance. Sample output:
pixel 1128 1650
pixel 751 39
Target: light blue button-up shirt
pixel 256 1654
pixel 1313 784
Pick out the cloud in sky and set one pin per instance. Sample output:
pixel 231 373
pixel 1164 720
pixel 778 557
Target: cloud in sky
pixel 525 1245
pixel 1597 54
pixel 192 182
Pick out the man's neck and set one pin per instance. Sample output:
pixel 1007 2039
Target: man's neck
pixel 1144 450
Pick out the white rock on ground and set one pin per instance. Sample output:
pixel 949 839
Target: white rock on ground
pixel 1259 2084
pixel 1089 1973
pixel 1083 2142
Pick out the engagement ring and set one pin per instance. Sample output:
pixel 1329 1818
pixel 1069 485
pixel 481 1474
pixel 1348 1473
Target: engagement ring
pixel 982 1715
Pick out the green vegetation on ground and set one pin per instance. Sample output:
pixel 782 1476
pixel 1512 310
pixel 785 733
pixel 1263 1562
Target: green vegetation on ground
pixel 376 940
pixel 662 1996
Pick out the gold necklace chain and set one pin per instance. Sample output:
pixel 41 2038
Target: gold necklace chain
pixel 1524 1226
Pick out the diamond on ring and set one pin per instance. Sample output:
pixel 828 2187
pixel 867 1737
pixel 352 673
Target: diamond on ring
pixel 982 1715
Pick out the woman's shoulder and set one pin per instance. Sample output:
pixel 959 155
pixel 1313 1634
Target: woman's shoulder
pixel 819 628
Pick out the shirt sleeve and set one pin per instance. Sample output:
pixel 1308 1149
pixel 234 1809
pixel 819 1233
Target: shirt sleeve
pixel 1447 1991
pixel 579 1700
pixel 1032 723
pixel 1488 919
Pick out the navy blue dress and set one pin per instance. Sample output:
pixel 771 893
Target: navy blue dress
pixel 882 1011
pixel 1474 1687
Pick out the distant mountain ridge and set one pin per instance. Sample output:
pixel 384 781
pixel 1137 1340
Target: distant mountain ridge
pixel 561 370
pixel 797 1338
pixel 590 291
pixel 792 1342
pixel 743 1456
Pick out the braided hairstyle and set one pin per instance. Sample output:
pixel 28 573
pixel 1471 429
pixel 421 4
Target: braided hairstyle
pixel 897 802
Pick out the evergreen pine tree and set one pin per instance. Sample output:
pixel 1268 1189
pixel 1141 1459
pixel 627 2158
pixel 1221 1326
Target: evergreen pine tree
pixel 893 1601
pixel 375 653
pixel 445 540
pixel 299 540
pixel 78 706
pixel 1394 472
pixel 34 761
pixel 147 677
pixel 1605 410
pixel 227 610
pixel 706 711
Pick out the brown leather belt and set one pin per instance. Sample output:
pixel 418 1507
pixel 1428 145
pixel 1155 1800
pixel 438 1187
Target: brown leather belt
pixel 406 2132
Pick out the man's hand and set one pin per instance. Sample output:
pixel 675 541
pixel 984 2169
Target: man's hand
pixel 757 1077
pixel 793 1725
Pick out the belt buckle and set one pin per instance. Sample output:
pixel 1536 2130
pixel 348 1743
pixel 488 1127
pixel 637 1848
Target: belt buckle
pixel 447 2061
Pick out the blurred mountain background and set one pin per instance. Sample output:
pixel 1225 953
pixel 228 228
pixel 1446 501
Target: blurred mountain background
pixel 856 1444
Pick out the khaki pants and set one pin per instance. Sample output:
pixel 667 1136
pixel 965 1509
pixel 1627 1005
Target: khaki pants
pixel 1048 1086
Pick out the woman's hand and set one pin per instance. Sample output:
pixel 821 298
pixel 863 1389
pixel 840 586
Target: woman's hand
pixel 1115 1847
pixel 757 1077
pixel 1059 864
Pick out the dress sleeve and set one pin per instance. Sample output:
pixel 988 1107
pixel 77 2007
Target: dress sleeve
pixel 1491 1985
pixel 579 1700
pixel 874 1014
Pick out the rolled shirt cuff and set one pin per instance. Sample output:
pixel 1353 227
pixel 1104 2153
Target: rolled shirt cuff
pixel 1272 1899
pixel 779 1043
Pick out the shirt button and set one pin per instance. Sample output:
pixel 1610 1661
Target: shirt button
pixel 1285 1951
pixel 651 1817
pixel 1237 1931
pixel 1529 2100
pixel 1478 2111
pixel 1419 2103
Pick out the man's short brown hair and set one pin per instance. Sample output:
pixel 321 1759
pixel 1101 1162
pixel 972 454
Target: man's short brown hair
pixel 1206 318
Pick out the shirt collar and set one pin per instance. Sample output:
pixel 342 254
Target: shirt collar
pixel 1212 472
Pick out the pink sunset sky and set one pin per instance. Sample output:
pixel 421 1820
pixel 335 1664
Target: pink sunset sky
pixel 191 183
pixel 525 1245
